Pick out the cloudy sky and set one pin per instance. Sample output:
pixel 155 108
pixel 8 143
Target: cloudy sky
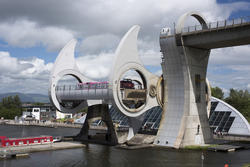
pixel 33 32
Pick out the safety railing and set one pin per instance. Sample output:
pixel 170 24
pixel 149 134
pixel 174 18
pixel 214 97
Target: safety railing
pixel 83 87
pixel 218 24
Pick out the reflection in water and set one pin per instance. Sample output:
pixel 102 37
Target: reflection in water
pixel 97 155
pixel 106 156
pixel 23 131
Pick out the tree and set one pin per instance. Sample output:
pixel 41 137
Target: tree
pixel 240 99
pixel 17 101
pixel 10 107
pixel 217 92
pixel 38 104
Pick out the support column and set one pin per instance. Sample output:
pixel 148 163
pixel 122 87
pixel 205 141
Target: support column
pixel 184 119
pixel 98 111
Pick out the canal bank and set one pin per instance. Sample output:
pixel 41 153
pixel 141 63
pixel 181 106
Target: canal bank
pixel 40 124
pixel 221 143
pixel 38 148
pixel 93 155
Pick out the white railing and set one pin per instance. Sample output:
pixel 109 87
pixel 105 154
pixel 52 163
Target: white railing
pixel 217 25
pixel 83 87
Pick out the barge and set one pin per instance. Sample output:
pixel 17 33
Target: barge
pixel 12 142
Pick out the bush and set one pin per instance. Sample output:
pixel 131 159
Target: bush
pixel 10 107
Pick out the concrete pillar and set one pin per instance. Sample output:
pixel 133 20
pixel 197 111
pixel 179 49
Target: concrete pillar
pixel 98 111
pixel 184 119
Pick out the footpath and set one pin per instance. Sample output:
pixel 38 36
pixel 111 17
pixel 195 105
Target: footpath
pixel 9 152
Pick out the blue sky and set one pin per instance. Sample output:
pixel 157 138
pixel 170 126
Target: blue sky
pixel 32 34
pixel 27 53
pixel 238 13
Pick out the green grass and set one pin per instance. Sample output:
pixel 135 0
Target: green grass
pixel 194 147
pixel 246 165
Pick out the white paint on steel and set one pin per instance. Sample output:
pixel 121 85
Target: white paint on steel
pixel 183 18
pixel 65 65
pixel 127 58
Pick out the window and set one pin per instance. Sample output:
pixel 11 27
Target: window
pixel 213 117
pixel 228 124
pixel 223 121
pixel 219 118
pixel 43 110
pixel 213 106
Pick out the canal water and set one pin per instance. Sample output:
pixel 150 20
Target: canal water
pixel 107 156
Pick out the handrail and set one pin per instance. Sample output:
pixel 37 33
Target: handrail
pixel 83 87
pixel 218 24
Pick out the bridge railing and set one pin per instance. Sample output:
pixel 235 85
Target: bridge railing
pixel 82 87
pixel 218 24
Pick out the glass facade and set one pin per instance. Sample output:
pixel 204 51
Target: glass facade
pixel 223 118
pixel 118 117
pixel 226 119
pixel 220 121
pixel 150 123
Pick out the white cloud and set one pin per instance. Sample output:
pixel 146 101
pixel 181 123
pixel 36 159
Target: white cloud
pixel 96 66
pixel 99 43
pixel 10 64
pixel 38 70
pixel 23 75
pixel 26 23
pixel 24 33
pixel 100 25
pixel 248 86
pixel 230 67
pixel 150 57
pixel 231 56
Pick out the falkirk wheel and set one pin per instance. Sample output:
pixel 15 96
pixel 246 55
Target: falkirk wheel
pixel 183 91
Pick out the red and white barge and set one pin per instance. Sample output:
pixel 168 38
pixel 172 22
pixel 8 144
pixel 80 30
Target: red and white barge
pixel 12 142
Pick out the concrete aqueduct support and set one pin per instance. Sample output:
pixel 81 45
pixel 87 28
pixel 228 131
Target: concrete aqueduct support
pixel 184 120
pixel 98 111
